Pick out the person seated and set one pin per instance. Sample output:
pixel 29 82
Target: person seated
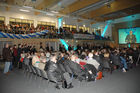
pixel 123 61
pixel 27 59
pixel 106 60
pixel 36 60
pixel 76 68
pixel 43 61
pixel 116 59
pixel 55 74
pixel 61 61
pixel 91 72
pixel 92 61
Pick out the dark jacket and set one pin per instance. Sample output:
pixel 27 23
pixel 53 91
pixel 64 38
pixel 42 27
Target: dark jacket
pixel 7 55
pixel 75 68
pixel 116 59
pixel 53 71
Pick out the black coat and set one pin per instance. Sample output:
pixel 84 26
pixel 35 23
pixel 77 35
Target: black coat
pixel 89 67
pixel 53 71
pixel 98 59
pixel 7 55
pixel 116 59
pixel 75 68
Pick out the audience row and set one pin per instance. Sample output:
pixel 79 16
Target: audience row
pixel 82 64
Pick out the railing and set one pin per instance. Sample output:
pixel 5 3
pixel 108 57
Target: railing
pixel 58 36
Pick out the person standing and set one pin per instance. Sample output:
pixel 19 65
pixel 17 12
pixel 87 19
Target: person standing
pixel 15 55
pixel 7 56
pixel 19 51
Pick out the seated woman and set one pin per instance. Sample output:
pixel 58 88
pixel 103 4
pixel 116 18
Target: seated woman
pixel 43 61
pixel 36 60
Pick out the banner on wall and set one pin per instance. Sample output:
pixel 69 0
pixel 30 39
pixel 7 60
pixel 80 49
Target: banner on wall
pixel 22 36
pixel 84 36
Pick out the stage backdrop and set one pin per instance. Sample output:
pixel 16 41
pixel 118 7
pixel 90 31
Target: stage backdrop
pixel 124 32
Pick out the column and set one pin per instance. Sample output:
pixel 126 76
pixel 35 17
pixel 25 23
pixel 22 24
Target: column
pixel 77 27
pixel 60 23
pixel 35 23
pixel 7 20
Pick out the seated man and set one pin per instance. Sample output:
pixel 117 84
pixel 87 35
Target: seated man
pixel 123 61
pixel 92 61
pixel 76 68
pixel 55 74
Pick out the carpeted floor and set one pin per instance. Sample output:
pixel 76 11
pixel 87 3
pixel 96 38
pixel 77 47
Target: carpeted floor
pixel 17 82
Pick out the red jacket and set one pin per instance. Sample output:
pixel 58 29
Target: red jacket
pixel 15 51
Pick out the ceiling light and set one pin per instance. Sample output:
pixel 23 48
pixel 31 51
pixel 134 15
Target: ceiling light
pixel 52 21
pixel 50 14
pixel 21 17
pixel 28 7
pixel 54 12
pixel 24 10
pixel 63 22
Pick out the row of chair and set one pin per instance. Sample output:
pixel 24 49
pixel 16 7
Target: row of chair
pixel 31 70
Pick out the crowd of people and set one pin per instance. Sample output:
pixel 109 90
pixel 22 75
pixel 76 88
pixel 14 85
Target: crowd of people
pixel 52 31
pixel 17 28
pixel 84 63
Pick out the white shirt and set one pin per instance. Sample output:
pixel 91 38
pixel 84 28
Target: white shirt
pixel 93 62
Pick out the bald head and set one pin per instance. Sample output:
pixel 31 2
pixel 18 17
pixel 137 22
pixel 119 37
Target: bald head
pixel 7 45
pixel 130 32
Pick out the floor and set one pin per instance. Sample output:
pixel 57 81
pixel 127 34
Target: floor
pixel 18 82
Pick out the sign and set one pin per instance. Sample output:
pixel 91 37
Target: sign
pixel 84 36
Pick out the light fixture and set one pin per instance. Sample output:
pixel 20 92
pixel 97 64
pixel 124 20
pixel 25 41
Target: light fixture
pixel 24 10
pixel 28 7
pixel 52 21
pixel 21 17
pixel 84 26
pixel 50 14
pixel 54 12
pixel 63 23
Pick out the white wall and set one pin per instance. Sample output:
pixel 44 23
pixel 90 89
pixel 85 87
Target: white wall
pixel 23 15
pixel 73 21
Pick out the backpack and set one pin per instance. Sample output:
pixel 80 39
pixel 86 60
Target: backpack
pixel 99 75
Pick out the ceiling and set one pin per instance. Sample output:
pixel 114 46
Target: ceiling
pixel 95 10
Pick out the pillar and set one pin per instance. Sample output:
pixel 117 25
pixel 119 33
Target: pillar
pixel 7 20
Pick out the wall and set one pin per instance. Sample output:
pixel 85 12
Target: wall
pixel 41 17
pixel 22 15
